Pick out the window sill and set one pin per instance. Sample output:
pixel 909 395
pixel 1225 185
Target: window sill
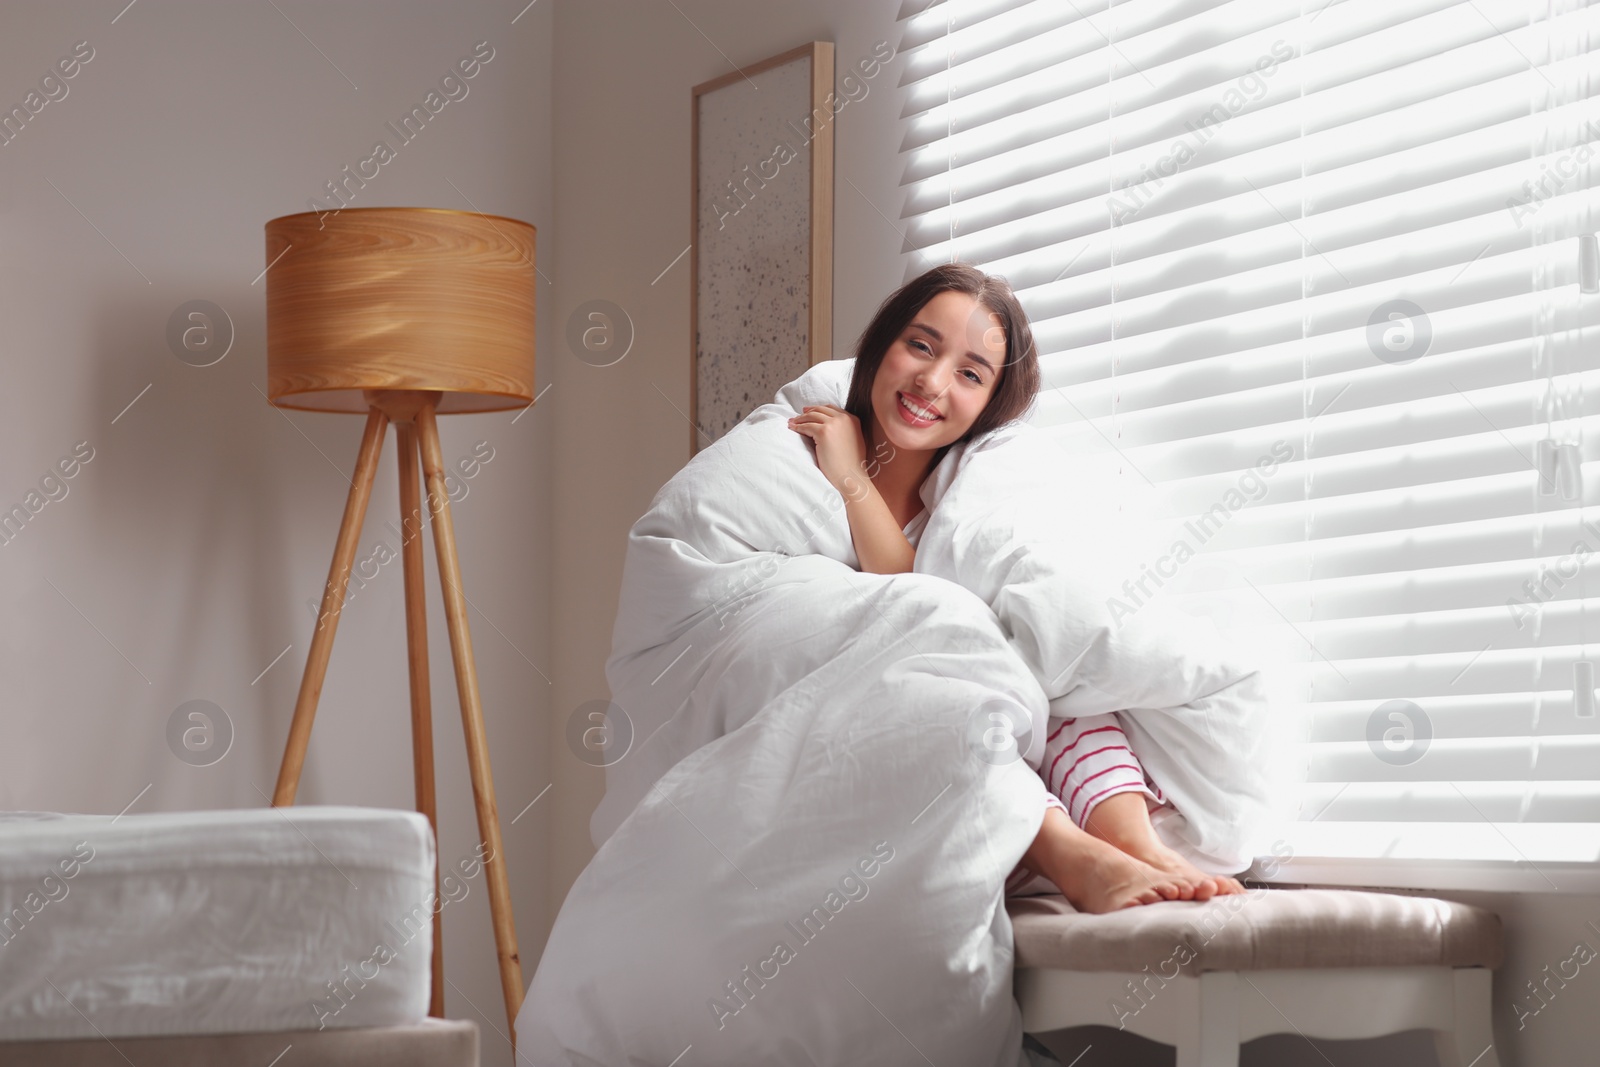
pixel 1497 857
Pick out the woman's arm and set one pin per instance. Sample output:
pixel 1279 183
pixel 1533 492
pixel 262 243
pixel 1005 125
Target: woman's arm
pixel 880 544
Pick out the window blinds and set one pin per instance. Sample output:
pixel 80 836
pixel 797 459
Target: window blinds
pixel 1347 237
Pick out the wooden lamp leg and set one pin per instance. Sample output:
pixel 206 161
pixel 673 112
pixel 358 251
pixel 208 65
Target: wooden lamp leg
pixel 344 554
pixel 411 523
pixel 455 611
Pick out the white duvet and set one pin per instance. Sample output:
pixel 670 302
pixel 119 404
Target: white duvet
pixel 802 856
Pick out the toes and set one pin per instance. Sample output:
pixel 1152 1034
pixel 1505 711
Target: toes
pixel 1160 891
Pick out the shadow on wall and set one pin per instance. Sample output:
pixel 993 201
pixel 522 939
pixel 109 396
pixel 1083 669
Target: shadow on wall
pixel 1105 1046
pixel 187 503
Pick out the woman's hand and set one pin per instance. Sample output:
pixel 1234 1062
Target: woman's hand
pixel 841 448
pixel 881 545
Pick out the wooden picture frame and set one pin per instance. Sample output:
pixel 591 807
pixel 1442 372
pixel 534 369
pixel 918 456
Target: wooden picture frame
pixel 761 266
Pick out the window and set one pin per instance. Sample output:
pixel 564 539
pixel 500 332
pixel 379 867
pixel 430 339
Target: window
pixel 1318 271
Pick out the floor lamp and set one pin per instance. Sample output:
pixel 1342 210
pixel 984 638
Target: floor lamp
pixel 402 314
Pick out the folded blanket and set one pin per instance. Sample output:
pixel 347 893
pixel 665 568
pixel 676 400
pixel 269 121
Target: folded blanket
pixel 801 858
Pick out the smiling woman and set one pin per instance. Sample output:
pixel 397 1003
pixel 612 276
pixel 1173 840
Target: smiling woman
pixel 795 707
pixel 947 357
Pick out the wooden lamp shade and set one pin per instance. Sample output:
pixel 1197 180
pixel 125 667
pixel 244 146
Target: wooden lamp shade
pixel 402 314
pixel 400 298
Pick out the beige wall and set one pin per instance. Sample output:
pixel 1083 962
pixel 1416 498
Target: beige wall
pixel 192 539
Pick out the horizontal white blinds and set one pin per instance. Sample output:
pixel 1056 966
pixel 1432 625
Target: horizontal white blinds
pixel 1211 211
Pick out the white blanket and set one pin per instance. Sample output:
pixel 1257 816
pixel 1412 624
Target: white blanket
pixel 802 856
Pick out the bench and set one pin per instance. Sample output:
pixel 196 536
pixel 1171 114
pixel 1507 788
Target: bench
pixel 1207 977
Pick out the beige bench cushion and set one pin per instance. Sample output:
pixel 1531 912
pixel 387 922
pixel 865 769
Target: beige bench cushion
pixel 1261 929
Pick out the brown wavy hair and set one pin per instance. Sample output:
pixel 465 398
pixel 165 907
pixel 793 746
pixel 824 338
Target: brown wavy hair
pixel 1019 374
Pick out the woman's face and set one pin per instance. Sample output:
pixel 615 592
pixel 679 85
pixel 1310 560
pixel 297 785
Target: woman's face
pixel 938 375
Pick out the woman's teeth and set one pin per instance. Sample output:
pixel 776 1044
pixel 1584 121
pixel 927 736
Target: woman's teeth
pixel 920 412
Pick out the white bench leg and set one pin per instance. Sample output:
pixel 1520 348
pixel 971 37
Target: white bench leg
pixel 1209 1033
pixel 1471 1043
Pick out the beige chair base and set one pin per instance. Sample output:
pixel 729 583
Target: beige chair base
pixel 1209 1016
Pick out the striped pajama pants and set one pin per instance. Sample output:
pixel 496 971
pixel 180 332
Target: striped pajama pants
pixel 1085 761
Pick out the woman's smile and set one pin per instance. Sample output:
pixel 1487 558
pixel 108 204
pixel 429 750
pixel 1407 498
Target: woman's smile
pixel 916 411
pixel 937 376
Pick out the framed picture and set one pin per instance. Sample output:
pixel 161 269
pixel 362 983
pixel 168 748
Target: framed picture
pixel 761 300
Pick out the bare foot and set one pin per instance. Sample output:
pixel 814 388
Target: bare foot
pixel 1094 876
pixel 1200 886
pixel 1124 822
pixel 1116 880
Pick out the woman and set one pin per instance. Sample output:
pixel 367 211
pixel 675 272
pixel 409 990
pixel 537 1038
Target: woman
pixel 950 356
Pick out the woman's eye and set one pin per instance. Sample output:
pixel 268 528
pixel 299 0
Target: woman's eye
pixel 920 347
pixel 975 377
